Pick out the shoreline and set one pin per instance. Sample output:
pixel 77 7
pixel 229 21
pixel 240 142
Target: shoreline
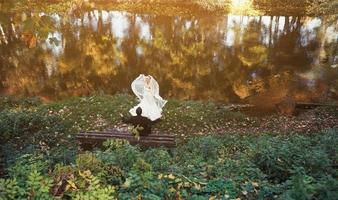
pixel 215 7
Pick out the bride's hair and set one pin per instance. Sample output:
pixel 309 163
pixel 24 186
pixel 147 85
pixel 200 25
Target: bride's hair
pixel 147 80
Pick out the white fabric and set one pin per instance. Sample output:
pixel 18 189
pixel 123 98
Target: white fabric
pixel 150 100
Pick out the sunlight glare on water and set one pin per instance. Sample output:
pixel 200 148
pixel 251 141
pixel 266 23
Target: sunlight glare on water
pixel 229 57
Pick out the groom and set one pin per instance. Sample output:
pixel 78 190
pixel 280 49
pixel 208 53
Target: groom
pixel 141 121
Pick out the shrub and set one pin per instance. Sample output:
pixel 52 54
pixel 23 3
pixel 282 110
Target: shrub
pixel 35 186
pixel 25 132
pixel 38 186
pixel 8 102
pixel 277 156
pixel 204 147
pixel 26 164
pixel 115 144
pixel 160 159
pixel 236 169
pixel 123 156
pixel 9 189
pixel 88 161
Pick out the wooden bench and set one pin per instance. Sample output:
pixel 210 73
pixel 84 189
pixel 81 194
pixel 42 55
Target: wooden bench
pixel 90 139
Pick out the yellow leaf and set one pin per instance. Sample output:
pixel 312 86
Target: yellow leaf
pixel 186 184
pixel 71 184
pixel 81 174
pixel 197 186
pixel 255 184
pixel 67 187
pixel 126 184
pixel 172 189
pixel 160 176
pixel 86 174
pixel 171 176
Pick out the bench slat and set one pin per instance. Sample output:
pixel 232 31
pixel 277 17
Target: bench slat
pixel 98 142
pixel 90 140
pixel 96 138
pixel 113 132
pixel 124 136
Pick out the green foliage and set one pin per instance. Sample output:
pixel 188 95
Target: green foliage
pixel 9 189
pixel 8 102
pixel 136 131
pixel 206 147
pixel 120 153
pixel 38 186
pixel 139 177
pixel 90 187
pixel 115 144
pixel 221 186
pixel 20 123
pixel 26 131
pixel 277 157
pixel 88 161
pixel 35 186
pixel 326 187
pixel 224 167
pixel 221 167
pixel 160 159
pixel 96 192
pixel 180 116
pixel 28 163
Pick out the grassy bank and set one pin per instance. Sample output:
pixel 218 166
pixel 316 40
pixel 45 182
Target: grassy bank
pixel 99 112
pixel 27 124
pixel 222 153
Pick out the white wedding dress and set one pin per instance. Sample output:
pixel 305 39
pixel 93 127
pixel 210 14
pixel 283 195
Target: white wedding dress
pixel 150 101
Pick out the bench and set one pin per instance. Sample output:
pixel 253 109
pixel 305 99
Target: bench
pixel 90 139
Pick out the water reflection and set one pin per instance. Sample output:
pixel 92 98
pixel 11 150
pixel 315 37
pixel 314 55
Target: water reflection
pixel 224 58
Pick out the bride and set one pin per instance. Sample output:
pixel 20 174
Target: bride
pixel 146 89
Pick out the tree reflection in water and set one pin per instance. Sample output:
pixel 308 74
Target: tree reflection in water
pixel 220 57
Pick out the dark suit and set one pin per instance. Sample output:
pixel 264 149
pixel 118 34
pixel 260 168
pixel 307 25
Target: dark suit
pixel 141 121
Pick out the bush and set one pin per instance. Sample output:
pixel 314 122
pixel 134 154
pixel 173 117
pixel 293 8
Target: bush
pixel 120 153
pixel 26 164
pixel 35 186
pixel 88 161
pixel 25 132
pixel 9 102
pixel 263 167
pixel 278 156
pixel 160 159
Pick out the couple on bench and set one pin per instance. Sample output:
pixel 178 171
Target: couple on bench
pixel 149 110
pixel 140 121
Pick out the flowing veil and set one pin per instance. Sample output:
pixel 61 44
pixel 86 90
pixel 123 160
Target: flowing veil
pixel 156 92
pixel 137 87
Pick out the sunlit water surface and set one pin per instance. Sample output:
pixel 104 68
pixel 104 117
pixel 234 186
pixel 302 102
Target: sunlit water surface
pixel 228 58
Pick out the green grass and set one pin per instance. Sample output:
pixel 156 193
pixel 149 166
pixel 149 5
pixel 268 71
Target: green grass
pixel 41 160
pixel 28 124
pixel 98 112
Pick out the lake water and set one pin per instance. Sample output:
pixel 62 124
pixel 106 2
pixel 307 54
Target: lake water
pixel 221 57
